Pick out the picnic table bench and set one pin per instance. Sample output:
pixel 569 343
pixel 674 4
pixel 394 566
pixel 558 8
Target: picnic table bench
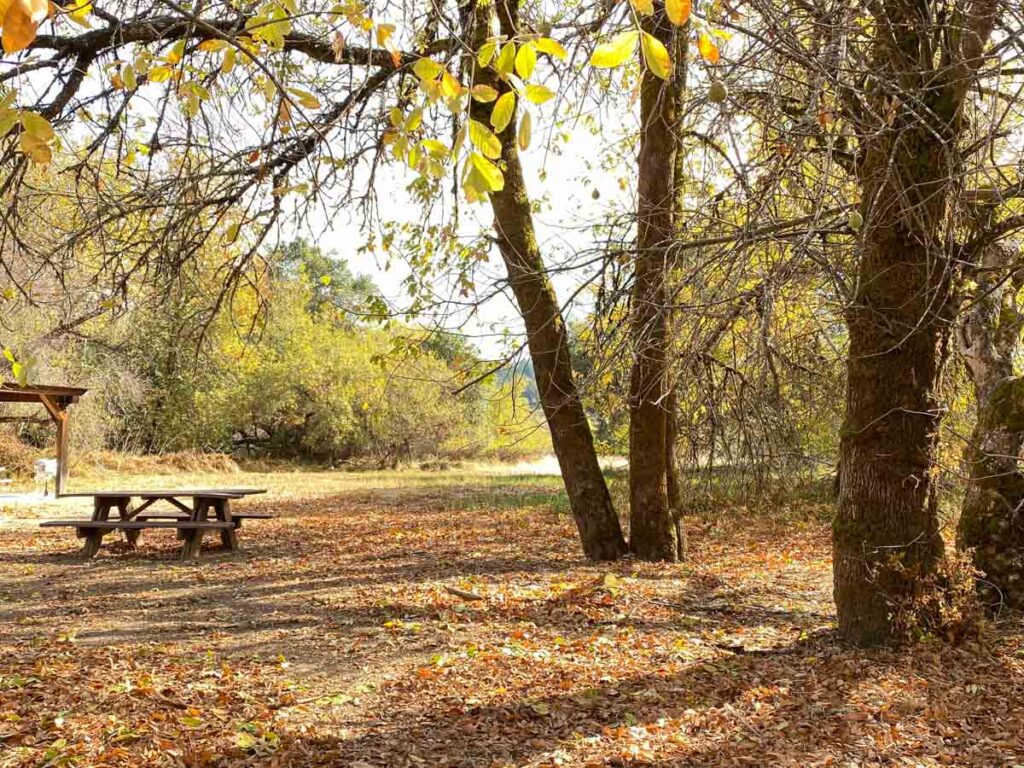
pixel 195 511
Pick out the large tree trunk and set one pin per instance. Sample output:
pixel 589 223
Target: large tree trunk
pixel 992 519
pixel 652 530
pixel 571 438
pixel 886 541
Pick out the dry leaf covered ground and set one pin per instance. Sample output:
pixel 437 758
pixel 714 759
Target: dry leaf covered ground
pixel 419 619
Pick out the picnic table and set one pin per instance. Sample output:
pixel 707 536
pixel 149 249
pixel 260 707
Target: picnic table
pixel 194 512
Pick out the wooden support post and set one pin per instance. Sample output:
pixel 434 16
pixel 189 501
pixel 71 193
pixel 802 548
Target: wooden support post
pixel 125 511
pixel 228 536
pixel 193 539
pixel 94 536
pixel 59 414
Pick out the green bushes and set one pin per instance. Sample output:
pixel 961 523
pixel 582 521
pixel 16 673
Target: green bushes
pixel 290 371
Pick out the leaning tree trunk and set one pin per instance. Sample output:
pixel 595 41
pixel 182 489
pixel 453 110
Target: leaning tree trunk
pixel 652 530
pixel 886 541
pixel 547 338
pixel 992 518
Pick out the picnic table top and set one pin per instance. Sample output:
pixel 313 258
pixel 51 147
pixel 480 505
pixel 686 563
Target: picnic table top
pixel 158 493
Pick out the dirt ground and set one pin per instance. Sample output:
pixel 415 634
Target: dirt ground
pixel 451 621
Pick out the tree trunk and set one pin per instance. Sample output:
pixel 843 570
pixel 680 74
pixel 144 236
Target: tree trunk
pixel 992 519
pixel 886 541
pixel 547 338
pixel 652 529
pixel 675 490
pixel 680 59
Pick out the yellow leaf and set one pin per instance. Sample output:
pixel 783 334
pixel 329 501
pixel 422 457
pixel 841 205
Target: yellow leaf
pixel 128 77
pixel 486 54
pixel 384 33
pixel 414 120
pixel 484 140
pixel 427 69
pixel 36 148
pixel 551 47
pixel 229 61
pixel 176 53
pixel 506 59
pixel 36 125
pixel 434 148
pixel 646 7
pixel 212 45
pixel 678 11
pixel 614 53
pixel 656 56
pixel 526 61
pixel 450 87
pixel 306 100
pixel 484 94
pixel 80 14
pixel 160 74
pixel 538 94
pixel 489 171
pixel 20 23
pixel 707 48
pixel 503 110
pixel 525 131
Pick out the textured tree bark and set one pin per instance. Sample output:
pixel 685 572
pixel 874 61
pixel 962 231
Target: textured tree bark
pixel 681 60
pixel 652 529
pixel 675 490
pixel 992 519
pixel 547 338
pixel 886 541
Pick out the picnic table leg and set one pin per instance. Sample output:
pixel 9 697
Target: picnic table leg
pixel 124 510
pixel 228 536
pixel 94 536
pixel 193 539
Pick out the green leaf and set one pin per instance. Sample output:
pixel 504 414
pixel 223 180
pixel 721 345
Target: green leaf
pixel 191 722
pixel 538 94
pixel 484 140
pixel 656 56
pixel 615 52
pixel 551 47
pixel 503 110
pixel 526 61
pixel 245 740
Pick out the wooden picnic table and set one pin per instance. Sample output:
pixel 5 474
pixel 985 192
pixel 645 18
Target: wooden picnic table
pixel 190 516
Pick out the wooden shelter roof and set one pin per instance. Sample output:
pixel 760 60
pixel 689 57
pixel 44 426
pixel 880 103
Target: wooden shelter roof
pixel 35 393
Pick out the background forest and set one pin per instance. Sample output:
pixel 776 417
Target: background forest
pixel 309 376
